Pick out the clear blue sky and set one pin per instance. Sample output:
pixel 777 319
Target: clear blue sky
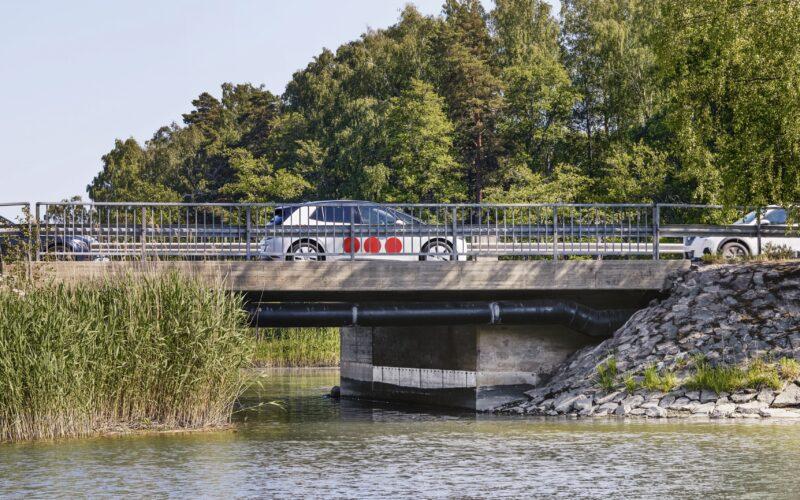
pixel 77 75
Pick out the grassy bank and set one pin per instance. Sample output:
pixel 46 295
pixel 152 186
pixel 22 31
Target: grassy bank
pixel 296 347
pixel 160 352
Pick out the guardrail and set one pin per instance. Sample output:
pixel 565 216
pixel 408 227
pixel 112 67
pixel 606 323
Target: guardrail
pixel 357 230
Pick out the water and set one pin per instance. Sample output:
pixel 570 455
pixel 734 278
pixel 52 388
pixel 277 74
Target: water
pixel 317 447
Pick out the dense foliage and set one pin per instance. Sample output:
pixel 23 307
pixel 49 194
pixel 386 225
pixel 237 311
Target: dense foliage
pixel 616 100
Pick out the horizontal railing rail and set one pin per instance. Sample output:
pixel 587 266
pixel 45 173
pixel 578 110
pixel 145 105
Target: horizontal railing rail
pixel 354 231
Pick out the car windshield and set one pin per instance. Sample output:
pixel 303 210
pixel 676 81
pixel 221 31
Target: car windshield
pixel 407 219
pixel 773 216
pixel 747 219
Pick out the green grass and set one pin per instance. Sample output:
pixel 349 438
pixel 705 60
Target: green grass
pixel 296 347
pixel 789 368
pixel 630 384
pixel 655 381
pixel 127 353
pixel 607 374
pixel 756 375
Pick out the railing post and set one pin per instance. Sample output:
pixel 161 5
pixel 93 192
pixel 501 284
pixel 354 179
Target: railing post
pixel 248 232
pixel 758 230
pixel 555 232
pixel 656 231
pixel 143 230
pixel 352 234
pixel 455 238
pixel 38 241
pixel 30 240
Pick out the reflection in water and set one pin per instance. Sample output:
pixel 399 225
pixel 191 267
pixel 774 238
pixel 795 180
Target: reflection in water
pixel 314 446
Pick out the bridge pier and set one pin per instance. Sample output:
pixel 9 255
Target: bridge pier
pixel 474 367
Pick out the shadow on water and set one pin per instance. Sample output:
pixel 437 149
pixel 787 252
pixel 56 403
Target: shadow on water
pixel 301 396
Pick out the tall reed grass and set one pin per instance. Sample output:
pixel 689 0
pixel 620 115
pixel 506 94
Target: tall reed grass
pixel 276 347
pixel 160 351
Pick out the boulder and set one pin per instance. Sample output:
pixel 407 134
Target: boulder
pixel 723 410
pixel 707 396
pixel 703 409
pixel 742 397
pixel 656 412
pixel 779 413
pixel 766 396
pixel 751 408
pixel 789 397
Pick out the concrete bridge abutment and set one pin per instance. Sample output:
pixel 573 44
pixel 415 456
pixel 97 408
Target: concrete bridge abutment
pixel 466 366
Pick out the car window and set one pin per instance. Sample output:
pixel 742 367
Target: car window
pixel 335 213
pixel 377 215
pixel 281 214
pixel 777 216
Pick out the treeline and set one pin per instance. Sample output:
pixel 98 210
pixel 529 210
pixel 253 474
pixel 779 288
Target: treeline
pixel 615 100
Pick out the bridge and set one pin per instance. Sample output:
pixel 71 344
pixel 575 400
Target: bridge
pixel 460 305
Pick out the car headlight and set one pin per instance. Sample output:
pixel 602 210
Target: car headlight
pixel 264 243
pixel 689 240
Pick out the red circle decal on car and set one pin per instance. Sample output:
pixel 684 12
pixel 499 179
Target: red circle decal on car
pixel 372 245
pixel 394 245
pixel 352 244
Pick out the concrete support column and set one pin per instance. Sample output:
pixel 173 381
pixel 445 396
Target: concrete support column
pixel 475 367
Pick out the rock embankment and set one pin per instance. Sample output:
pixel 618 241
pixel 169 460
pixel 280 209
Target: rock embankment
pixel 721 318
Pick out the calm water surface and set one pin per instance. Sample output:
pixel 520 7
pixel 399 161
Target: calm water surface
pixel 311 446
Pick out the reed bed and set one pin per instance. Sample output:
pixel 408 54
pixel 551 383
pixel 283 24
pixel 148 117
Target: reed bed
pixel 160 351
pixel 278 347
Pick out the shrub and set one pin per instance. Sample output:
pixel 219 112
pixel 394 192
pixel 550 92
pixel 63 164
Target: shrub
pixel 772 251
pixel 161 351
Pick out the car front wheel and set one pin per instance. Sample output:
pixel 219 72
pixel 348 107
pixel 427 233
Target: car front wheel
pixel 734 250
pixel 437 250
pixel 305 250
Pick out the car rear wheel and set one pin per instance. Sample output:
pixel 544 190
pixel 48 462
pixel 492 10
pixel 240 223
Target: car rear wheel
pixel 437 250
pixel 305 250
pixel 734 250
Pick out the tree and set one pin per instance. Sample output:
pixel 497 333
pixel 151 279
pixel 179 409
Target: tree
pixel 538 98
pixel 635 173
pixel 732 72
pixel 255 180
pixel 613 67
pixel 419 146
pixel 469 82
pixel 125 176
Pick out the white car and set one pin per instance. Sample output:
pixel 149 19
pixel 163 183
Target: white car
pixel 321 231
pixel 732 247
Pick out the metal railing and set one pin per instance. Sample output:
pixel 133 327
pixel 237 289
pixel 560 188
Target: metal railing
pixel 356 231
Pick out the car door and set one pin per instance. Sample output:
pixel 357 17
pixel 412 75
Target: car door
pixel 332 223
pixel 384 235
pixel 778 217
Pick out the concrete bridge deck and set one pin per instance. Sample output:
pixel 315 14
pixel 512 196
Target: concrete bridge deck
pixel 335 280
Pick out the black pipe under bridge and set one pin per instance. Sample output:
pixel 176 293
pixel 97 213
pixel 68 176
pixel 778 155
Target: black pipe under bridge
pixel 572 315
